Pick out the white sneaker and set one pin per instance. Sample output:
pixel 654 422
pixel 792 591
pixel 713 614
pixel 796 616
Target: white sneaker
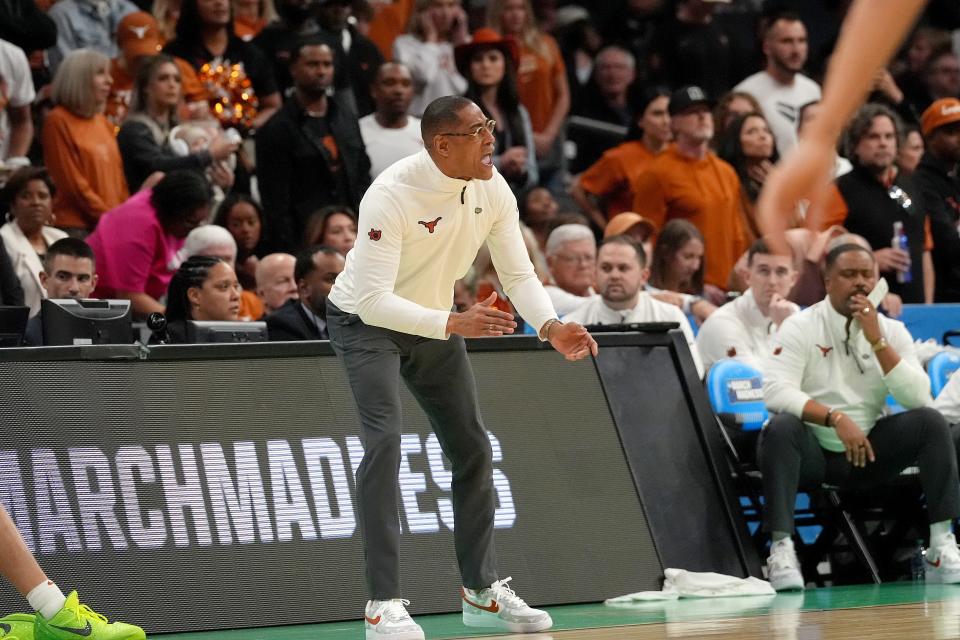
pixel 943 561
pixel 389 620
pixel 499 607
pixel 783 568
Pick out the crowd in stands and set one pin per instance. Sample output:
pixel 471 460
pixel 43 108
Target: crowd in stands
pixel 128 124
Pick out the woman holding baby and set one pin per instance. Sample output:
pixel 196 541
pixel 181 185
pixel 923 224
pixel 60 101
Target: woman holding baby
pixel 150 139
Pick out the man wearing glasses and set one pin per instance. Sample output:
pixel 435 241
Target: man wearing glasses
pixel 421 224
pixel 874 196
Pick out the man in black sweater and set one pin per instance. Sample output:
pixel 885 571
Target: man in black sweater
pixel 310 153
pixel 875 196
pixel 939 190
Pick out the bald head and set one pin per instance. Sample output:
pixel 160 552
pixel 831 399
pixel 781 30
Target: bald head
pixel 275 281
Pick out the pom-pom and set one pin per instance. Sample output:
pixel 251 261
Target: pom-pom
pixel 232 98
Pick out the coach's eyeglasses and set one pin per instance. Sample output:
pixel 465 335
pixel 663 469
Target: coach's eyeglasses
pixel 477 133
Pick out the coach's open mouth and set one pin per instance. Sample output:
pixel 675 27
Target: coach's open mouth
pixel 487 159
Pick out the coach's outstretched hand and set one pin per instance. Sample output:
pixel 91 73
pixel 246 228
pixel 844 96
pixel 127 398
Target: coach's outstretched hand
pixel 481 320
pixel 572 340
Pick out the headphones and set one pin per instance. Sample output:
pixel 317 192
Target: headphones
pixel 177 145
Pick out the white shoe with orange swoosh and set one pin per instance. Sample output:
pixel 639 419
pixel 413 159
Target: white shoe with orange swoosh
pixel 942 561
pixel 499 607
pixel 389 620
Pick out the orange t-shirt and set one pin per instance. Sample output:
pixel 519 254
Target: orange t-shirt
pixel 611 177
pixel 121 93
pixel 84 162
pixel 247 29
pixel 705 192
pixel 536 81
pixel 251 307
pixel 389 22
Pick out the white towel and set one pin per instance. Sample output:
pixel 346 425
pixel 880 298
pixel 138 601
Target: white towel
pixel 679 583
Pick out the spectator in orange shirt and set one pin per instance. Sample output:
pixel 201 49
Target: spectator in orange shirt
pixel 251 16
pixel 389 21
pixel 138 38
pixel 688 181
pixel 606 188
pixel 541 76
pixel 79 148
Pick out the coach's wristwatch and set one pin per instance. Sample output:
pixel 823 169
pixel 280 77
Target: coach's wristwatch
pixel 827 418
pixel 545 329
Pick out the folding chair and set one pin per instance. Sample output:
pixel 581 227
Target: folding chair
pixel 735 390
pixel 940 367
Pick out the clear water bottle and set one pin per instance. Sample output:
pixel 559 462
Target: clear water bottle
pixel 918 563
pixel 899 241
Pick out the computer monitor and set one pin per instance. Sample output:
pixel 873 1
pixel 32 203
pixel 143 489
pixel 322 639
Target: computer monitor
pixel 642 327
pixel 13 323
pixel 81 322
pixel 201 331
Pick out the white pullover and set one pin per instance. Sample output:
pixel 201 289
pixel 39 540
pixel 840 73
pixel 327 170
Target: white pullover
pixel 814 359
pixel 419 232
pixel 737 330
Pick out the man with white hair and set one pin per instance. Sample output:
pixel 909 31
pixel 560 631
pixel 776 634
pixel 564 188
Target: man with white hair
pixel 275 281
pixel 572 257
pixel 209 240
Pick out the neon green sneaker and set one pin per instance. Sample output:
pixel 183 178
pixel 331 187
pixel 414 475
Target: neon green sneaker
pixel 79 622
pixel 17 626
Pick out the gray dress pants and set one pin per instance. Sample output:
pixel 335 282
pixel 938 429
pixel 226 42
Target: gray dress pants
pixel 790 457
pixel 438 374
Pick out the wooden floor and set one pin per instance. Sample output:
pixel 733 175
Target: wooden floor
pixel 894 611
pixel 934 620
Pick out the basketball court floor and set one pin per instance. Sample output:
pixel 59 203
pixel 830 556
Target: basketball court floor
pixel 895 611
